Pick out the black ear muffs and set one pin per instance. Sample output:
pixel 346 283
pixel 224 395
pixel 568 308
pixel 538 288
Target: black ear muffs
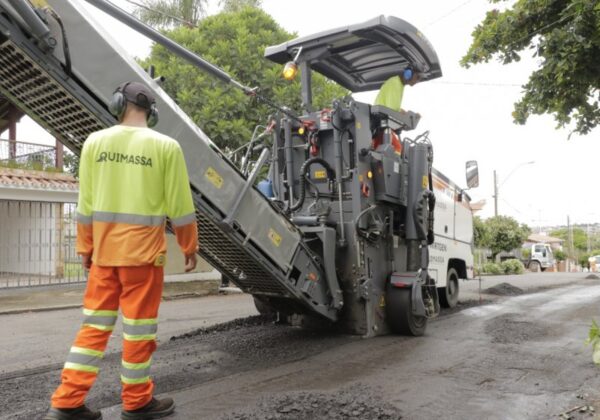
pixel 152 118
pixel 118 102
pixel 118 105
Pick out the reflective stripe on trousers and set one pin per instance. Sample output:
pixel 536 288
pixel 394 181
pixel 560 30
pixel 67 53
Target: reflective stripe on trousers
pixel 138 291
pixel 100 319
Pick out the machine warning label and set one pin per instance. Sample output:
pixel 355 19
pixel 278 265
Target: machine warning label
pixel 425 182
pixel 320 174
pixel 214 177
pixel 274 237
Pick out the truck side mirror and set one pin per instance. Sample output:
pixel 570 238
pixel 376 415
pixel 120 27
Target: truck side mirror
pixel 472 174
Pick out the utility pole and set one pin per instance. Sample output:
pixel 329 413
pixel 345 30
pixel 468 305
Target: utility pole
pixel 570 239
pixel 589 243
pixel 495 194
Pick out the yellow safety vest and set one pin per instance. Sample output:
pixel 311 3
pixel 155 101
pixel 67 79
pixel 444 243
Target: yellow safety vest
pixel 130 180
pixel 390 94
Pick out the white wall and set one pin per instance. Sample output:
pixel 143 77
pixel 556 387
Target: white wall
pixel 27 237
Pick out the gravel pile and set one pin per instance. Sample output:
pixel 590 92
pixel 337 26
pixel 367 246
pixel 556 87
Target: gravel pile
pixel 512 329
pixel 355 403
pixel 592 277
pixel 504 289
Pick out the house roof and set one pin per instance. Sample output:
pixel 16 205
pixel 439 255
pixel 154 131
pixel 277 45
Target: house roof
pixel 477 206
pixel 28 185
pixel 534 237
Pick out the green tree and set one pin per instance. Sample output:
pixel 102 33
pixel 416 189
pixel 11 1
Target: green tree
pixel 237 5
pixel 565 37
pixel 505 234
pixel 234 41
pixel 480 233
pixel 170 13
pixel 71 163
pixel 579 237
pixel 560 255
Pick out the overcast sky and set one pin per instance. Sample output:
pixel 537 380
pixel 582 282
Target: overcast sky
pixel 468 112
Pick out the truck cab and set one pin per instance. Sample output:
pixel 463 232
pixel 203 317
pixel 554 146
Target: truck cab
pixel 541 258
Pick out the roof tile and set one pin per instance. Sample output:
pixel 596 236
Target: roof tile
pixel 37 180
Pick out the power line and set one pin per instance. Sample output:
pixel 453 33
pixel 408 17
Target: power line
pixel 514 208
pixel 450 12
pixel 541 29
pixel 448 82
pixel 160 12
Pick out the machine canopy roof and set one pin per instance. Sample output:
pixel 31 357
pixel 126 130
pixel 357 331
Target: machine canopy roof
pixel 362 57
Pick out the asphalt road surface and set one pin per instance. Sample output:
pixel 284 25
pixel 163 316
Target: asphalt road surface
pixel 512 357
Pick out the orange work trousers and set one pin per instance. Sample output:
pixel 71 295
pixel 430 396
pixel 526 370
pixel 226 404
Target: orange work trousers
pixel 137 291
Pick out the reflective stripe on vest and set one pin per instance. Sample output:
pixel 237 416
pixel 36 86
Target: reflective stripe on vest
pixel 184 220
pixel 85 220
pixel 130 219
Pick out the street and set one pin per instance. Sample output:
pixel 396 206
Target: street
pixel 512 357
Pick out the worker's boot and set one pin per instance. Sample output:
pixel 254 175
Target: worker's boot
pixel 79 413
pixel 155 409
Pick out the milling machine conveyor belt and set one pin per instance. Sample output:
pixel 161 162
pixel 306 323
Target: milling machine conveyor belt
pixel 259 250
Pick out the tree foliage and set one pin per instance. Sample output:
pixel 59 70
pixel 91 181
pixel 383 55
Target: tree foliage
pixel 237 5
pixel 480 232
pixel 580 239
pixel 234 41
pixel 565 36
pixel 170 13
pixel 503 233
pixel 560 255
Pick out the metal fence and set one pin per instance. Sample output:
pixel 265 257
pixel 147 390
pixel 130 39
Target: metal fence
pixel 37 244
pixel 23 155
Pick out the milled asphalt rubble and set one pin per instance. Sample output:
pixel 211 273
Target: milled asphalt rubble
pixel 253 344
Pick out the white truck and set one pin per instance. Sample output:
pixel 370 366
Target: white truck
pixel 451 255
pixel 540 258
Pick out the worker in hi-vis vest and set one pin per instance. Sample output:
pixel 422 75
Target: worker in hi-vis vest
pixel 390 95
pixel 391 92
pixel 131 178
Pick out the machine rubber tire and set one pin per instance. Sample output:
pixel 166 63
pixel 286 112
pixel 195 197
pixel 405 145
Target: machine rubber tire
pixel 399 312
pixel 262 307
pixel 534 267
pixel 449 294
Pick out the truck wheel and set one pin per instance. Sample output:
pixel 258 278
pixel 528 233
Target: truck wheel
pixel 534 266
pixel 449 294
pixel 262 307
pixel 399 312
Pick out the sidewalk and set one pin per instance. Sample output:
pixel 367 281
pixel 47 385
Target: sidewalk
pixel 44 298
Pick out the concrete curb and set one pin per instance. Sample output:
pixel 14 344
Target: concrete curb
pixel 38 300
pixel 40 309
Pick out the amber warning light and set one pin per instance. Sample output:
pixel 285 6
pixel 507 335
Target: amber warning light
pixel 290 71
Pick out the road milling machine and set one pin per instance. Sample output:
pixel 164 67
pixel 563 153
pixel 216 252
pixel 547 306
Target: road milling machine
pixel 338 233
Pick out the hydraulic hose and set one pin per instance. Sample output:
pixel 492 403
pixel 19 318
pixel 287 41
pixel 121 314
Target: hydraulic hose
pixel 336 121
pixel 303 172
